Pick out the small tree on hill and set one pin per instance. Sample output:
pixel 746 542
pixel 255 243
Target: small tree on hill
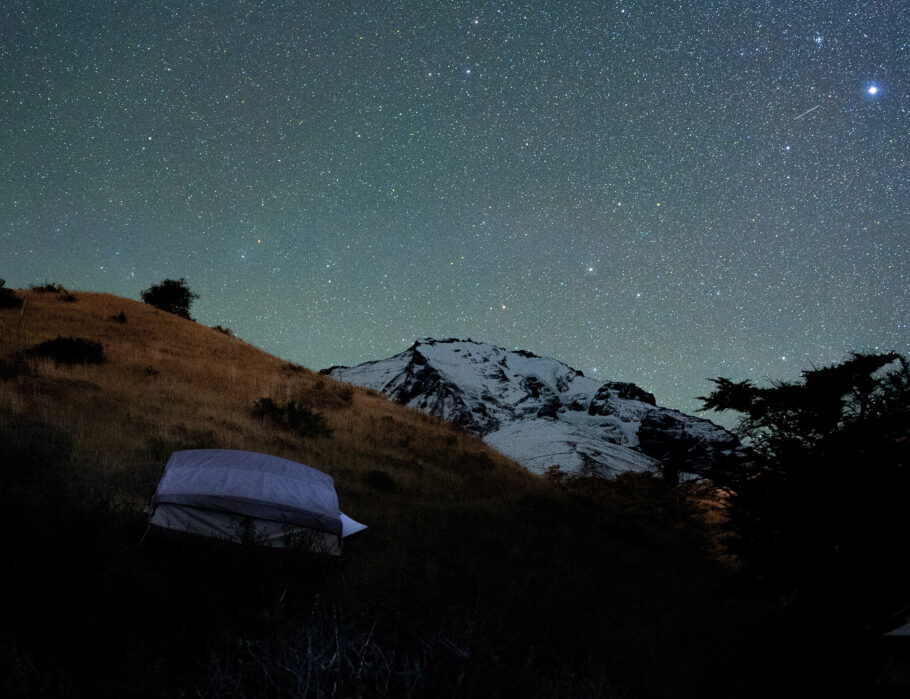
pixel 173 296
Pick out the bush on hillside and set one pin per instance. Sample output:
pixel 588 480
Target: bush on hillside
pixel 292 416
pixel 48 288
pixel 51 288
pixel 8 298
pixel 172 296
pixel 69 350
pixel 381 481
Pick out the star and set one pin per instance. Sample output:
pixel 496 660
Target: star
pixel 564 162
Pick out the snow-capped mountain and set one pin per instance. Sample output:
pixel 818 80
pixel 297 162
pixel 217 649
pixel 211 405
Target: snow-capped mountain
pixel 542 412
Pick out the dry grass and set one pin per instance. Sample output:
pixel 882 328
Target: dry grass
pixel 170 383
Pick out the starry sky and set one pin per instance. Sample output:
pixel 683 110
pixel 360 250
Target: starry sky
pixel 657 192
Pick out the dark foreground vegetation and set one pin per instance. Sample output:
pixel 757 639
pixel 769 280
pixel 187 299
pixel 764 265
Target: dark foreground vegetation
pixel 591 590
pixel 820 513
pixel 474 578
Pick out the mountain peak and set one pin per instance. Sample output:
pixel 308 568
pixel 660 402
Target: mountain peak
pixel 542 412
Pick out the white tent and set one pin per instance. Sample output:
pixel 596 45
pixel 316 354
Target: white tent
pixel 246 496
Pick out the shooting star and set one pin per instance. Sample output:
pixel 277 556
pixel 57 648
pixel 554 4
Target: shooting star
pixel 806 112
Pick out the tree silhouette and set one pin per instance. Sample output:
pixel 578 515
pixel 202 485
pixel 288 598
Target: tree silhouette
pixel 173 296
pixel 821 509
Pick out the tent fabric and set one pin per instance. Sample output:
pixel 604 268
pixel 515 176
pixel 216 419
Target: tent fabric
pixel 230 494
pixel 349 526
pixel 231 527
pixel 251 484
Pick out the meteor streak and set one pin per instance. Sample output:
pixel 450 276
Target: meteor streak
pixel 806 112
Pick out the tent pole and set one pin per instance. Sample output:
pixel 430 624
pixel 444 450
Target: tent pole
pixel 142 538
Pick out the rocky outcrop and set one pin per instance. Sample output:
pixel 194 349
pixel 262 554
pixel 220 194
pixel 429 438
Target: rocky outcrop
pixel 688 443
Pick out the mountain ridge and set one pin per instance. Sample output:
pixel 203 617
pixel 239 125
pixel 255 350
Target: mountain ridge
pixel 544 413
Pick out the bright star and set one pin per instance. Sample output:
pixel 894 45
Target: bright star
pixel 873 90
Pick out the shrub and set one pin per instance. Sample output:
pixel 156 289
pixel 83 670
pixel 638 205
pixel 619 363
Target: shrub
pixel 7 298
pixel 555 474
pixel 172 296
pixel 48 288
pixel 223 331
pixel 381 481
pixel 69 350
pixel 119 317
pixel 291 416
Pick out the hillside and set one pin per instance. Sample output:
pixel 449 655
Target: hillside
pixel 169 383
pixel 475 577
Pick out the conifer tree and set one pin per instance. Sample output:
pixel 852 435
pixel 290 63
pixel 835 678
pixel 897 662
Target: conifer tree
pixel 821 509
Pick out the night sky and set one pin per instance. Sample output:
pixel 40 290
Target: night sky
pixel 649 191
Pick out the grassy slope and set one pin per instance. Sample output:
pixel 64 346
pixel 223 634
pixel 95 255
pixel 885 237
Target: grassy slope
pixel 474 577
pixel 171 383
